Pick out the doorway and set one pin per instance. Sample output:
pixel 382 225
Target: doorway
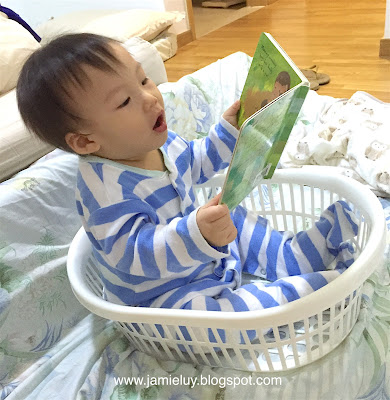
pixel 208 19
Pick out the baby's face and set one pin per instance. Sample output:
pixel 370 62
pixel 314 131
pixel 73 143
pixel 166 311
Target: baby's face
pixel 124 111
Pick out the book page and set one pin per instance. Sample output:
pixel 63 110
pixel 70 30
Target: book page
pixel 274 87
pixel 256 155
pixel 269 76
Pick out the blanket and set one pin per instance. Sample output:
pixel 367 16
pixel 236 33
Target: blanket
pixel 351 135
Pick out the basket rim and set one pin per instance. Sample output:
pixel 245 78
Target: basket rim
pixel 350 280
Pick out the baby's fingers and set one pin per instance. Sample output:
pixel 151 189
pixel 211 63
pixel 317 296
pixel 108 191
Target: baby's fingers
pixel 215 213
pixel 222 223
pixel 233 109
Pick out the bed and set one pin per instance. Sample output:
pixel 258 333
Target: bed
pixel 52 348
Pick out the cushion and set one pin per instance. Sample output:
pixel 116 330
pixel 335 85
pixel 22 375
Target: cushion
pixel 166 44
pixel 18 147
pixel 149 57
pixel 16 17
pixel 16 44
pixel 120 25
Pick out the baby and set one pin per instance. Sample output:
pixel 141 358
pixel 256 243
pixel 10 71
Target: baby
pixel 86 94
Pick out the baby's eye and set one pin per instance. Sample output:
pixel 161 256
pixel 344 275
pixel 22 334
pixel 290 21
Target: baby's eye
pixel 125 103
pixel 145 81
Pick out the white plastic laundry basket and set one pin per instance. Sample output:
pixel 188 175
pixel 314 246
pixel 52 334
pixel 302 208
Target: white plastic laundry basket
pixel 288 336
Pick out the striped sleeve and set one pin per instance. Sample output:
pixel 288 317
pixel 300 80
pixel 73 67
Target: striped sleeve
pixel 135 243
pixel 214 152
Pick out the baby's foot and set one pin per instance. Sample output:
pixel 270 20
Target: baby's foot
pixel 327 239
pixel 344 225
pixel 338 224
pixel 345 257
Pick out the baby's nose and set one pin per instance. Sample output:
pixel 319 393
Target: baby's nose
pixel 150 100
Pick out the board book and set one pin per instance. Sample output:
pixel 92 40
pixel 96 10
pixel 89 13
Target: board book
pixel 272 97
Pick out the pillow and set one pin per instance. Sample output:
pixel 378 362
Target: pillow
pixel 166 44
pixel 149 57
pixel 16 44
pixel 16 17
pixel 18 147
pixel 119 25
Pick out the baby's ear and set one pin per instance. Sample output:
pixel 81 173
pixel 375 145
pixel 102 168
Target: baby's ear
pixel 81 144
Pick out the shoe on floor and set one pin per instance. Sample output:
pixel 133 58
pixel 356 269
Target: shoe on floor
pixel 314 84
pixel 312 74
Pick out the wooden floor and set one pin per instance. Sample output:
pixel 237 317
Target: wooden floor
pixel 340 36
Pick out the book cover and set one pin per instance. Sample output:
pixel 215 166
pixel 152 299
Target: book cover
pixel 272 97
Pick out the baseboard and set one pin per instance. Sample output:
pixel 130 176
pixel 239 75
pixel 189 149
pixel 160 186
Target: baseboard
pixel 384 48
pixel 255 3
pixel 184 38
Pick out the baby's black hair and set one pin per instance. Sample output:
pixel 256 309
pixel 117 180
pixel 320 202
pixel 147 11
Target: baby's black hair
pixel 43 87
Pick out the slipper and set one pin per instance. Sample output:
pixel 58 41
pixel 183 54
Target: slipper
pixel 311 73
pixel 314 84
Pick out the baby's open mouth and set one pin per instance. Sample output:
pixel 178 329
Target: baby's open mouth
pixel 160 125
pixel 159 121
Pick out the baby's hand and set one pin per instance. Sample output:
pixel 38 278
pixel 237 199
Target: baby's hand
pixel 230 115
pixel 215 223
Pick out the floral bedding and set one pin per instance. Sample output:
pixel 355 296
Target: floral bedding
pixel 52 348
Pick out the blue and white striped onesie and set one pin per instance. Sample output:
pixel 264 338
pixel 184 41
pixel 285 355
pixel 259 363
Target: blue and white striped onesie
pixel 142 225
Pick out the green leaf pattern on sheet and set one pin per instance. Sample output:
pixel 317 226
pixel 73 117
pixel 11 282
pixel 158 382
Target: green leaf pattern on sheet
pixel 124 392
pixel 37 306
pixel 10 279
pixel 45 248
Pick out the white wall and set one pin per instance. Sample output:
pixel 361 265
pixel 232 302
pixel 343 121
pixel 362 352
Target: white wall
pixel 35 12
pixel 178 5
pixel 387 23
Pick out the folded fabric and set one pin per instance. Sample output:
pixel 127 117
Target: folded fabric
pixel 352 135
